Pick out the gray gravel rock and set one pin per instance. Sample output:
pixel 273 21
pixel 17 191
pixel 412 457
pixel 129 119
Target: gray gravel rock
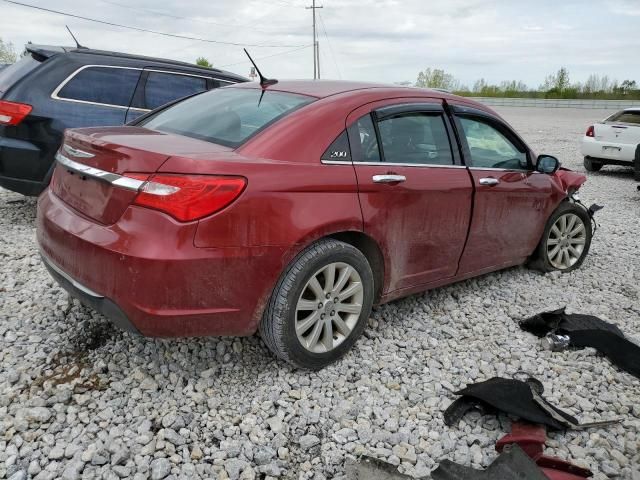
pixel 125 406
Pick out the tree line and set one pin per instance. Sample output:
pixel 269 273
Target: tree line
pixel 555 85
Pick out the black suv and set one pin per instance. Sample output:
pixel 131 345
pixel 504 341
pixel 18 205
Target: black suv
pixel 54 88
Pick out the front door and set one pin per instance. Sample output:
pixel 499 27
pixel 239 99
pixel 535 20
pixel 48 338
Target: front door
pixel 511 200
pixel 414 193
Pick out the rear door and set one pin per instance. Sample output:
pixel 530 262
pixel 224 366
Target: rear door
pixel 414 193
pixel 511 201
pixel 159 87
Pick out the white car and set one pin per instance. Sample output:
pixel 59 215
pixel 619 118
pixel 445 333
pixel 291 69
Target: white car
pixel 614 141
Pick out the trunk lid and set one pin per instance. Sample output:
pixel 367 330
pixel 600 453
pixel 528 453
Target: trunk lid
pixel 617 133
pixel 93 158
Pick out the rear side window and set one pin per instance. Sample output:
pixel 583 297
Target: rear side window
pixel 625 117
pixel 415 138
pixel 104 85
pixel 365 134
pixel 163 88
pixel 339 150
pixel 11 74
pixel 227 116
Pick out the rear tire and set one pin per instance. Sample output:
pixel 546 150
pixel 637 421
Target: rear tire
pixel 566 239
pixel 636 165
pixel 320 305
pixel 592 165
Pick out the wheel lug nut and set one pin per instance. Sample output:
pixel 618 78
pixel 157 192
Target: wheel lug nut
pixel 322 316
pixel 336 300
pixel 319 306
pixel 328 296
pixel 333 312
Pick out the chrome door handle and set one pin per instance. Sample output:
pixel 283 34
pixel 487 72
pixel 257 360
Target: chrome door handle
pixel 388 178
pixel 489 181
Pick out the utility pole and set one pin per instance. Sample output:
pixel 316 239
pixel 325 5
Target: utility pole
pixel 316 51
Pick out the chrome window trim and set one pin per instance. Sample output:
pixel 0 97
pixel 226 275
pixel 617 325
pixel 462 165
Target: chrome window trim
pixel 492 169
pixel 336 162
pixel 68 277
pixel 55 93
pixel 428 165
pixel 113 178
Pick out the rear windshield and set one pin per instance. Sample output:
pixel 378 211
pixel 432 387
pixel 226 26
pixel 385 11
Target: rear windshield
pixel 227 116
pixel 625 117
pixel 13 73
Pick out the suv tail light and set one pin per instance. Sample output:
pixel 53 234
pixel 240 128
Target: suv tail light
pixel 591 132
pixel 12 113
pixel 187 197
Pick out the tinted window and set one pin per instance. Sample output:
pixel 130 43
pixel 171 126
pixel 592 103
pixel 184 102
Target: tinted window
pixel 415 138
pixel 228 116
pixel 339 150
pixel 625 117
pixel 490 148
pixel 107 85
pixel 366 133
pixel 163 88
pixel 14 72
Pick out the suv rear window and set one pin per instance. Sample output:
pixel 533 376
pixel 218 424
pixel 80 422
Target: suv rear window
pixel 227 116
pixel 13 73
pixel 103 85
pixel 625 117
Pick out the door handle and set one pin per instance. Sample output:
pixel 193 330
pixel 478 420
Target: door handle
pixel 389 178
pixel 490 181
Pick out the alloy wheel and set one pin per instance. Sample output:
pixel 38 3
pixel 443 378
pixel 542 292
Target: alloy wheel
pixel 566 241
pixel 329 307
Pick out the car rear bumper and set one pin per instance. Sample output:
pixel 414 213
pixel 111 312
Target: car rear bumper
pixel 145 273
pixel 617 152
pixel 23 166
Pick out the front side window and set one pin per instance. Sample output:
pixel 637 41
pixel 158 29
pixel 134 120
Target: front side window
pixel 163 88
pixel 227 116
pixel 105 85
pixel 489 148
pixel 416 138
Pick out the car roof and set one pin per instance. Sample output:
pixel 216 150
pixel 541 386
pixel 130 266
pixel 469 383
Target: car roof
pixel 327 88
pixel 50 50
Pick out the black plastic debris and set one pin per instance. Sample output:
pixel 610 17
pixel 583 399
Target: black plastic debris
pixel 515 397
pixel 512 464
pixel 585 331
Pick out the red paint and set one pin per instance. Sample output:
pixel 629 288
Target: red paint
pixel 532 439
pixel 214 275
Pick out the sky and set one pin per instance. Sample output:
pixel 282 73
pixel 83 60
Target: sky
pixel 372 40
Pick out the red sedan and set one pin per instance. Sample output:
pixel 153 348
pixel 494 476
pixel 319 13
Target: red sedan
pixel 293 208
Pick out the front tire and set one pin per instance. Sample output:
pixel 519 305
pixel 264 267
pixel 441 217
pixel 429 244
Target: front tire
pixel 636 165
pixel 592 165
pixel 566 239
pixel 320 305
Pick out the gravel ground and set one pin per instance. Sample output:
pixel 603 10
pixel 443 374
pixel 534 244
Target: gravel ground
pixel 80 399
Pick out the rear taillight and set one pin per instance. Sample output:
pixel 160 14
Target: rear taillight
pixel 591 132
pixel 12 113
pixel 188 197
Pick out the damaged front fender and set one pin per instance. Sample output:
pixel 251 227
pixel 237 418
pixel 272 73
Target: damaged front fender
pixel 569 181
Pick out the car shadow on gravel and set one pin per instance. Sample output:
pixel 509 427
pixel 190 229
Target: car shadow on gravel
pixel 18 211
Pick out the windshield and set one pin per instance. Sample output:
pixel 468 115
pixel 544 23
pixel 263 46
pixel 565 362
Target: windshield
pixel 13 73
pixel 227 116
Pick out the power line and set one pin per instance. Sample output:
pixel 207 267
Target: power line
pixel 104 22
pixel 191 19
pixel 324 29
pixel 267 56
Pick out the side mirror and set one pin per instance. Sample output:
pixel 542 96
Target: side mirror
pixel 547 164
